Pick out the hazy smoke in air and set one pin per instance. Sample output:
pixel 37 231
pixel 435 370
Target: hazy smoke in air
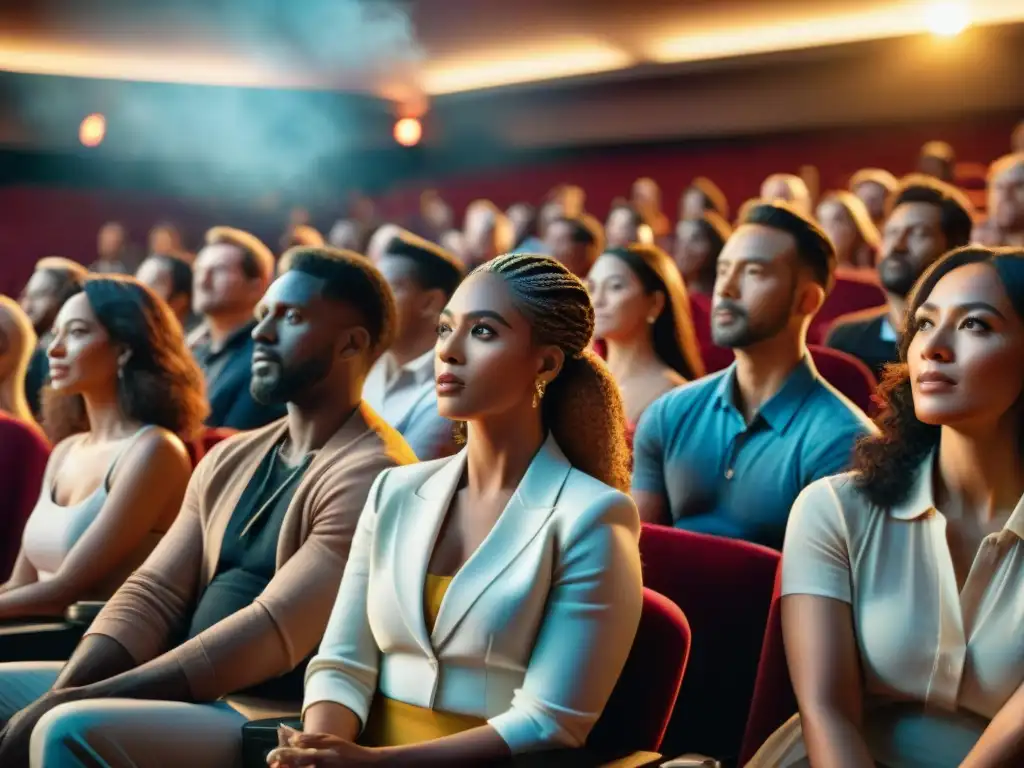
pixel 274 139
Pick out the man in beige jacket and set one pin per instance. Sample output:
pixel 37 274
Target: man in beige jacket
pixel 216 626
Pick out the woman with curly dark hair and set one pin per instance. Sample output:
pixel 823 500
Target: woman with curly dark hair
pixel 903 581
pixel 491 598
pixel 124 392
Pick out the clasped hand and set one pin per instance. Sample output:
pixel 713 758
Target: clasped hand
pixel 319 750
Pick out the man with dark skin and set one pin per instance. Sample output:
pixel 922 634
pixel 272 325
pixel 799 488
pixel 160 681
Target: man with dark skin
pixel 215 628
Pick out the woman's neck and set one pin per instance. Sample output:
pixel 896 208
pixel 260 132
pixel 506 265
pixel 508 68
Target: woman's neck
pixel 500 449
pixel 628 357
pixel 106 419
pixel 981 474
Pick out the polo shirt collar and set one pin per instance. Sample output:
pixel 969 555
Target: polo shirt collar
pixel 920 501
pixel 783 406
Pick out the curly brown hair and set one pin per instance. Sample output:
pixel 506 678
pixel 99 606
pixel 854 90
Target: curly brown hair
pixel 159 383
pixel 582 408
pixel 883 462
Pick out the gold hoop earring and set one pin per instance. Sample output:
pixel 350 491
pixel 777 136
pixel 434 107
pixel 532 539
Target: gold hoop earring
pixel 538 392
pixel 459 433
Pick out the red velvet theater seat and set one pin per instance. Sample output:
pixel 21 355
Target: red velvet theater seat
pixel 774 701
pixel 638 712
pixel 855 289
pixel 847 374
pixel 725 588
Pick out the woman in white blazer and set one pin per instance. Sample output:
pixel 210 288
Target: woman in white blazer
pixel 490 598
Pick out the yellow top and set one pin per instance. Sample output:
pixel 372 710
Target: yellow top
pixel 395 723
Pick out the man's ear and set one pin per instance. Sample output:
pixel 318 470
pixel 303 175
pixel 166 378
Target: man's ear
pixel 433 302
pixel 356 341
pixel 811 298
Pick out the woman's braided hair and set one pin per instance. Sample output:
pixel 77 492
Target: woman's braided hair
pixel 582 407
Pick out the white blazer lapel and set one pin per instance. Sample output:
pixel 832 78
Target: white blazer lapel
pixel 419 523
pixel 521 520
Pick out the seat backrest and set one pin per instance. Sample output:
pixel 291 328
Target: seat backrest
pixel 638 712
pixel 213 435
pixel 773 702
pixel 847 374
pixel 854 290
pixel 724 587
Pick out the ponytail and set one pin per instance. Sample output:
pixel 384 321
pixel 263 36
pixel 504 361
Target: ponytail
pixel 583 410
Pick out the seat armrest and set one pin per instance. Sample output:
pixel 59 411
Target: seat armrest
pixel 259 738
pixel 84 612
pixel 692 761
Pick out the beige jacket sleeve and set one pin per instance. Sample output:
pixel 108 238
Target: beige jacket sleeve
pixel 285 623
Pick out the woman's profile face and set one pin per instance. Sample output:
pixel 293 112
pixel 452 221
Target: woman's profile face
pixel 840 228
pixel 966 359
pixel 486 362
pixel 621 306
pixel 82 356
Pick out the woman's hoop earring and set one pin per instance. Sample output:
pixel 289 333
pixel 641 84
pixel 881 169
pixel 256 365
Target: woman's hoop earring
pixel 538 392
pixel 459 432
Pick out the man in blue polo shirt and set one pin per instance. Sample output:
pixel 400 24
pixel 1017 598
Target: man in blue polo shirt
pixel 729 453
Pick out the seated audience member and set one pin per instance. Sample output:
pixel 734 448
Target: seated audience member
pixel 454 242
pixel 436 214
pixel 526 535
pixel 17 345
pixel 927 219
pixel 985 233
pixel 626 226
pixel 215 626
pixel 729 453
pixel 124 392
pixel 165 238
pixel 347 235
pixel 642 314
pixel 230 275
pixel 1006 198
pixel 523 217
pixel 901 580
pixel 487 232
pixel 645 198
pixel 575 243
pixel 874 186
pixel 400 387
pixel 302 235
pixel 846 221
pixel 170 277
pixel 703 196
pixel 699 240
pixel 938 160
pixel 54 281
pixel 789 188
pixel 113 252
pixel 23 455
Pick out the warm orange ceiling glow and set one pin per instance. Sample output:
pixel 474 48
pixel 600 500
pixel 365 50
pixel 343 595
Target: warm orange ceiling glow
pixel 780 31
pixel 701 32
pixel 523 63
